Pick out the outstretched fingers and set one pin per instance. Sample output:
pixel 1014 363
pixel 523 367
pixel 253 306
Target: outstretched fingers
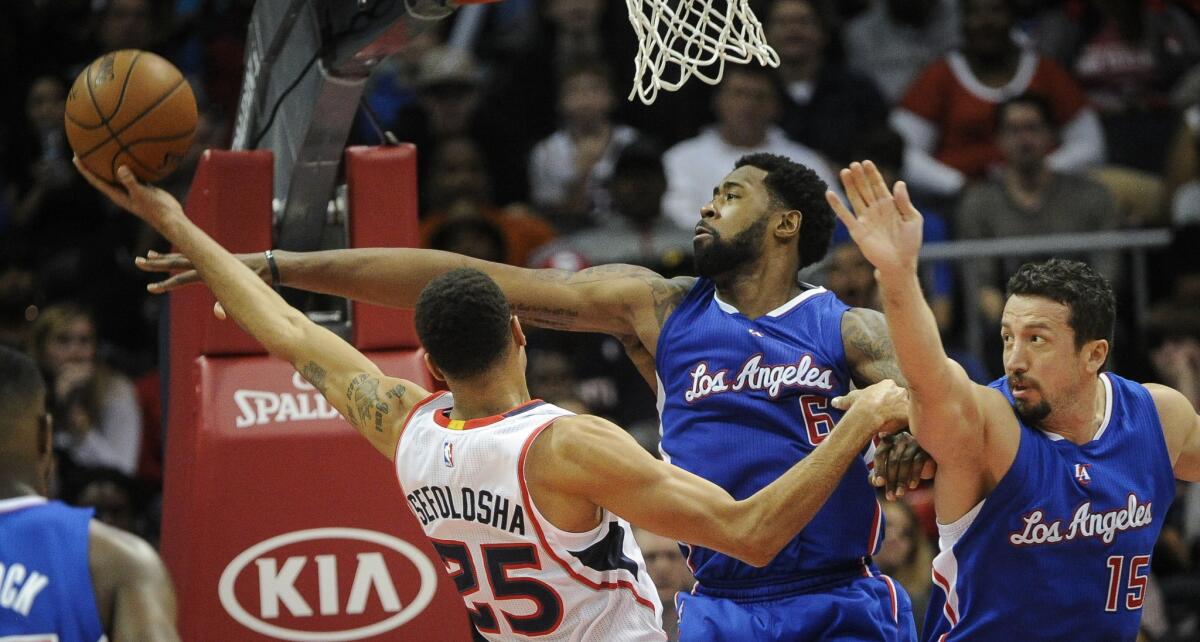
pixel 875 183
pixel 904 203
pixel 852 224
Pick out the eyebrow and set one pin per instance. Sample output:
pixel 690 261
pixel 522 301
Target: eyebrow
pixel 1042 325
pixel 727 185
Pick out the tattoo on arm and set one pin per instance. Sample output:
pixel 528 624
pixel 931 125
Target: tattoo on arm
pixel 315 375
pixel 544 316
pixel 869 348
pixel 666 294
pixel 363 395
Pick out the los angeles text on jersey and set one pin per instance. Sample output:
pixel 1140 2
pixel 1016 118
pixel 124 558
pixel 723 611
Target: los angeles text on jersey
pixel 754 375
pixel 468 504
pixel 1084 523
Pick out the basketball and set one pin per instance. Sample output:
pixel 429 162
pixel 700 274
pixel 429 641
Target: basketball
pixel 130 108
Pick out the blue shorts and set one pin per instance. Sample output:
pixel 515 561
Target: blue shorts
pixel 864 608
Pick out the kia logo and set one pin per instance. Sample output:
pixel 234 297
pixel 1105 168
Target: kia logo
pixel 285 578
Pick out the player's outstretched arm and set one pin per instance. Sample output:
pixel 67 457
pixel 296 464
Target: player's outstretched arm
pixel 372 402
pixel 947 416
pixel 613 299
pixel 1181 430
pixel 133 591
pixel 591 458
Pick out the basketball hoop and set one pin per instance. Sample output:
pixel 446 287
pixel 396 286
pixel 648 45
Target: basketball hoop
pixel 679 39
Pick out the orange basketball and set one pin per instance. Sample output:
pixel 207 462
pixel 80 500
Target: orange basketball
pixel 131 108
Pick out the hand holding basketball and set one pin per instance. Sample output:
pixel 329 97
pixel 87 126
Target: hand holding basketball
pixel 130 108
pixel 149 203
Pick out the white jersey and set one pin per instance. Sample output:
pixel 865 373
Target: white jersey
pixel 520 576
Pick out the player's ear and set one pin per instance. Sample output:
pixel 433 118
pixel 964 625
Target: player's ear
pixel 1096 353
pixel 788 224
pixel 517 333
pixel 433 368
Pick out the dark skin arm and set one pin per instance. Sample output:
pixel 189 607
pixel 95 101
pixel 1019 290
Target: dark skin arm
pixel 899 461
pixel 133 591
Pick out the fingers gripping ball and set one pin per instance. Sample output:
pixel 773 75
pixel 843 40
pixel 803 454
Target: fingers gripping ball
pixel 131 108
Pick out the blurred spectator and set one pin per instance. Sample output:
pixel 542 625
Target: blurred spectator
pixel 895 39
pixel 747 104
pixel 668 569
pixel 130 24
pixel 822 99
pixel 1029 197
pixel 1185 201
pixel 852 277
pixel 44 140
pixel 451 104
pixel 907 556
pixel 458 187
pixel 113 495
pixel 569 171
pixel 95 408
pixel 947 115
pixel 474 237
pixel 1127 56
pixel 639 233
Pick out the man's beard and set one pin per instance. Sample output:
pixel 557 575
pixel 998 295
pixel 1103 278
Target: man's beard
pixel 1031 413
pixel 719 257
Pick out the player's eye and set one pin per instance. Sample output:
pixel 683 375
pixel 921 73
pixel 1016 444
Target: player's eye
pixel 730 196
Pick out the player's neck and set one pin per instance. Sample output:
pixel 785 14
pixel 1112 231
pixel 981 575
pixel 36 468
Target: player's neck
pixel 1079 422
pixel 487 395
pixel 760 286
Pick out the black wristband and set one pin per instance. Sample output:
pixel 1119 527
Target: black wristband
pixel 270 254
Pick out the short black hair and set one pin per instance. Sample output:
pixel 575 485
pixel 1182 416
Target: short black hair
pixel 463 321
pixel 795 187
pixel 1076 285
pixel 639 157
pixel 20 383
pixel 1035 100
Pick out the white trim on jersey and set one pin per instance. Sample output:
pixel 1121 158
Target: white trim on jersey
pixel 777 312
pixel 945 575
pixel 1026 68
pixel 37 637
pixel 17 503
pixel 1108 406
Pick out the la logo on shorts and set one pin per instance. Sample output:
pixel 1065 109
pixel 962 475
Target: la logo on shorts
pixel 1082 475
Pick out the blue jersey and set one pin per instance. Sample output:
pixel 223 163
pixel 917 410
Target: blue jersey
pixel 45 582
pixel 742 400
pixel 1060 549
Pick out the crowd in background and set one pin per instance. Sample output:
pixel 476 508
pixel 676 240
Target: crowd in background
pixel 1007 118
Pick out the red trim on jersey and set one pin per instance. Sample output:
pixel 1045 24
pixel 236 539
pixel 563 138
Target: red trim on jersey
pixel 444 421
pixel 537 526
pixel 876 526
pixel 404 426
pixel 949 610
pixel 892 593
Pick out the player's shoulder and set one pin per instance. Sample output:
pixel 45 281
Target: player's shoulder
pixel 117 553
pixel 1171 404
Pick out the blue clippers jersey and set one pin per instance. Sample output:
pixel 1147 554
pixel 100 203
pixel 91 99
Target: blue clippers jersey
pixel 1060 549
pixel 742 401
pixel 45 582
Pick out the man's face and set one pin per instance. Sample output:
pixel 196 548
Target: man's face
pixel 985 27
pixel 586 100
pixel 1024 137
pixel 75 342
pixel 746 102
pixel 852 277
pixel 1043 365
pixel 730 231
pixel 794 30
pixel 457 173
pixel 664 563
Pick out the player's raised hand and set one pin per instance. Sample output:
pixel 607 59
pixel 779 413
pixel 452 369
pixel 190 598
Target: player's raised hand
pixel 183 273
pixel 886 227
pixel 146 202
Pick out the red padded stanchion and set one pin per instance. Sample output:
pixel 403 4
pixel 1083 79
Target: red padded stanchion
pixel 280 522
pixel 382 189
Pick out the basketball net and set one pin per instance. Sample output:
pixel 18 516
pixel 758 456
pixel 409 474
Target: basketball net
pixel 687 39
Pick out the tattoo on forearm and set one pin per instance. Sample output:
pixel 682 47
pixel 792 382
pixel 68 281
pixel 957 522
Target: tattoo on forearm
pixel 869 347
pixel 363 395
pixel 546 316
pixel 315 375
